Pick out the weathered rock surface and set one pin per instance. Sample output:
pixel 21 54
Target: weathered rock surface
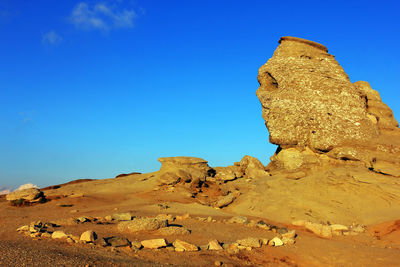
pixel 248 167
pixel 214 245
pixel 308 99
pixel 154 243
pixel 312 110
pixel 141 224
pixel 29 194
pixel 59 234
pixel 88 236
pixel 250 242
pixel 117 241
pixel 173 230
pixel 122 216
pixel 180 245
pixel 182 169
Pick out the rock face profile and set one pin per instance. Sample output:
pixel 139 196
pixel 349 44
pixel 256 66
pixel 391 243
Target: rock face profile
pixel 311 109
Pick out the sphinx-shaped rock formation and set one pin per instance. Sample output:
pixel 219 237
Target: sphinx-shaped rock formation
pixel 313 111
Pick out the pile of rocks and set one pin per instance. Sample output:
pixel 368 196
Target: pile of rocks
pixel 128 223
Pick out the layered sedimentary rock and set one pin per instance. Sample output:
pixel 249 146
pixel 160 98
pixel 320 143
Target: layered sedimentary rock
pixel 312 111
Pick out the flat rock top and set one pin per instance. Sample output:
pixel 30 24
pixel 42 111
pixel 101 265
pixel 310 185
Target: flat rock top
pixel 182 160
pixel 304 41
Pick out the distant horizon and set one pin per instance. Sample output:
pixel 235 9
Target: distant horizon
pixel 92 89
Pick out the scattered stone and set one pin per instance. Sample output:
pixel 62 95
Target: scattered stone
pixel 338 229
pixel 217 263
pixel 276 241
pixel 88 236
pixel 58 234
pixel 263 225
pixel 108 218
pixel 154 243
pixel 82 219
pixel 136 244
pixel 249 242
pixel 46 235
pixel 122 216
pixel 23 228
pixel 141 224
pixel 282 230
pixel 214 245
pixel 288 240
pixel 35 234
pixel 225 200
pixel 358 229
pixel 180 245
pixel 118 241
pixel 299 222
pixel 182 217
pixel 167 217
pixel 233 248
pixel 264 241
pixel 289 234
pixel 173 230
pixel 238 219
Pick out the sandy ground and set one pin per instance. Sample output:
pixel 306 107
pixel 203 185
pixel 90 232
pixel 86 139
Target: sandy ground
pixel 378 246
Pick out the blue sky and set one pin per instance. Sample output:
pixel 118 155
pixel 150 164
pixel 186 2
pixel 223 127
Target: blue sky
pixel 92 89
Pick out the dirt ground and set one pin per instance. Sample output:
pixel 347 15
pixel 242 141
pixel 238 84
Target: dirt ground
pixel 378 246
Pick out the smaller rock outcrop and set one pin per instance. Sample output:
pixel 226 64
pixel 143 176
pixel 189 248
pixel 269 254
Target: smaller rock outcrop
pixel 183 169
pixel 29 194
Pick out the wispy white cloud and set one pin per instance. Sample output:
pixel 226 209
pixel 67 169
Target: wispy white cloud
pixel 26 186
pixel 51 38
pixel 101 16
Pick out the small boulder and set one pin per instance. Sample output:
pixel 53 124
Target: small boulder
pixel 173 230
pixel 338 229
pixel 180 245
pixel 117 241
pixel 23 228
pixel 154 243
pixel 122 216
pixel 225 201
pixel 249 242
pixel 141 224
pixel 88 236
pixel 276 241
pixel 238 219
pixel 58 234
pixel 299 223
pixel 82 219
pixel 289 234
pixel 214 245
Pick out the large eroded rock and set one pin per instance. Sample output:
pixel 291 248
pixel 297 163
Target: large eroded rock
pixel 312 111
pixel 308 99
